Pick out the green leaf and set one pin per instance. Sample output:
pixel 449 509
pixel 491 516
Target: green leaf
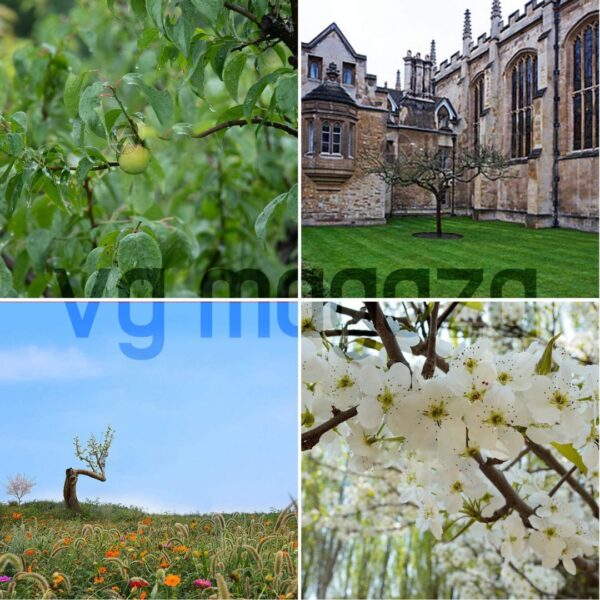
pixel 6 281
pixel 256 90
pixel 262 221
pixel 147 37
pixel 572 455
pixel 545 365
pixel 478 306
pixel 369 343
pixel 160 101
pixel 72 92
pixel 83 168
pixel 38 246
pixel 111 117
pixel 209 8
pixel 103 284
pixel 90 109
pixel 218 54
pixel 138 251
pixel 286 95
pixel 20 118
pixel 232 73
pixel 155 9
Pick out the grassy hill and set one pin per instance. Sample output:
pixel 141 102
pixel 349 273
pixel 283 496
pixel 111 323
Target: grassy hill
pixel 113 551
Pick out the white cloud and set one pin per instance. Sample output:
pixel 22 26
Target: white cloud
pixel 29 363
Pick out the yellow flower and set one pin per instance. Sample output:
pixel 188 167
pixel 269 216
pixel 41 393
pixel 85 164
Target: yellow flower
pixel 172 580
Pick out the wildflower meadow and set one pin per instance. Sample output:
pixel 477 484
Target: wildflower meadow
pixel 109 551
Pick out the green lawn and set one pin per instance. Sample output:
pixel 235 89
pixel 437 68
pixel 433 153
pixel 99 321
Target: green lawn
pixel 548 262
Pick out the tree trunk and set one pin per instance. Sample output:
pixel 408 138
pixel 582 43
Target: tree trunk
pixel 438 215
pixel 70 487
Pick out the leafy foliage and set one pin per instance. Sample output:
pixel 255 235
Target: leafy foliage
pixel 207 87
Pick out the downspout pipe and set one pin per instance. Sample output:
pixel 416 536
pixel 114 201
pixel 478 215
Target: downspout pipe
pixel 556 150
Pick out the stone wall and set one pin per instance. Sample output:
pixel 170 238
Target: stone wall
pixel 361 199
pixel 527 196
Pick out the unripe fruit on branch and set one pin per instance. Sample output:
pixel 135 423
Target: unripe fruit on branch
pixel 146 132
pixel 134 158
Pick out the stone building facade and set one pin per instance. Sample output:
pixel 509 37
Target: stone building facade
pixel 529 88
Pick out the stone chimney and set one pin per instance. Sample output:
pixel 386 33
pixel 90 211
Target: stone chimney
pixel 496 19
pixel 398 82
pixel 432 54
pixel 467 34
pixel 408 73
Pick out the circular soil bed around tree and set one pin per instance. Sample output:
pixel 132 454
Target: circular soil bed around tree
pixel 435 236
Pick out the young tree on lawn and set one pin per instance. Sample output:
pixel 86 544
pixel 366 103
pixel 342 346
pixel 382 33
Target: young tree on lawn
pixel 433 170
pixel 94 456
pixel 19 486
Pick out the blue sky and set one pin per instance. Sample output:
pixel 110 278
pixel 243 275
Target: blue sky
pixel 209 424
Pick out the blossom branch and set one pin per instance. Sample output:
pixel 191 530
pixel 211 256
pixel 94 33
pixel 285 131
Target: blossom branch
pixel 498 479
pixel 385 333
pixel 430 361
pixel 311 437
pixel 554 463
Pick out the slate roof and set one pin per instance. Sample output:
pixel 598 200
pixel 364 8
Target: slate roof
pixel 330 93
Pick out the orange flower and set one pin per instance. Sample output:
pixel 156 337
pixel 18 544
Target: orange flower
pixel 147 521
pixel 180 549
pixel 143 595
pixel 30 552
pixel 66 541
pixel 131 537
pixel 112 553
pixel 57 579
pixel 172 580
pixel 16 515
pixel 164 563
pixel 29 535
pixel 115 588
pixel 29 569
pixel 294 545
pixel 102 570
pixel 98 579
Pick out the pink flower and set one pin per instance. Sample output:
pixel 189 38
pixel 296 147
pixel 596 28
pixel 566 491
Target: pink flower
pixel 6 579
pixel 203 584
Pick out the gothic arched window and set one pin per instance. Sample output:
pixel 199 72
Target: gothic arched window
pixel 478 105
pixel 325 137
pixel 523 82
pixel 585 87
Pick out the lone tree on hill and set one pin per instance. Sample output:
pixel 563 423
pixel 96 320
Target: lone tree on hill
pixel 18 486
pixel 436 172
pixel 94 456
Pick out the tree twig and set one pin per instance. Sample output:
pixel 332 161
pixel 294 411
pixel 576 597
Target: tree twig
pixel 431 357
pixel 242 122
pixel 385 333
pixel 242 11
pixel 561 481
pixel 311 437
pixel 498 479
pixel 555 464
